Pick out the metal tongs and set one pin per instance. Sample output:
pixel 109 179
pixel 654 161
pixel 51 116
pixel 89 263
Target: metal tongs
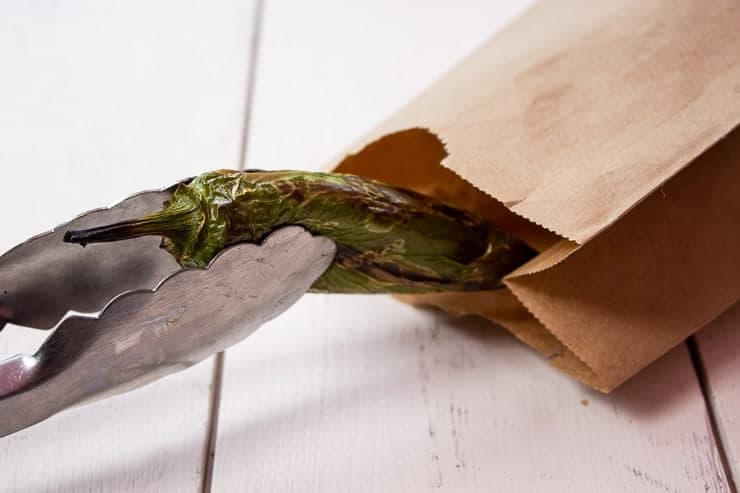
pixel 125 314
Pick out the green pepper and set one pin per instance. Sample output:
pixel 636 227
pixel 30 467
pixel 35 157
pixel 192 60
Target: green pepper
pixel 389 240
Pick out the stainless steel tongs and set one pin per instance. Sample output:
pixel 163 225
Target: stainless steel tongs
pixel 125 314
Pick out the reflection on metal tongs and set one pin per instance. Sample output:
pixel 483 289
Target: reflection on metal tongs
pixel 156 317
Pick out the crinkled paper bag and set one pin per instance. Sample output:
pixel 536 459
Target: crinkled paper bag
pixel 602 134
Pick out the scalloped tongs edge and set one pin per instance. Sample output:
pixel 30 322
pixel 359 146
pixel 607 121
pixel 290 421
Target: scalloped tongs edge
pixel 157 318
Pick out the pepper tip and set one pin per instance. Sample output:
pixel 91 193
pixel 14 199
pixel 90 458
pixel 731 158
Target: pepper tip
pixel 74 237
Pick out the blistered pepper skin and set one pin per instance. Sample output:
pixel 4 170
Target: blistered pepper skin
pixel 389 240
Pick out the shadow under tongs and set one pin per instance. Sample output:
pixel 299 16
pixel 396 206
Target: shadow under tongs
pixel 174 457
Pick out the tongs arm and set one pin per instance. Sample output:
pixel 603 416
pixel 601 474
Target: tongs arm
pixel 143 335
pixel 43 278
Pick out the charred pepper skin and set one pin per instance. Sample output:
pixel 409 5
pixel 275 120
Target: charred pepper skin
pixel 389 240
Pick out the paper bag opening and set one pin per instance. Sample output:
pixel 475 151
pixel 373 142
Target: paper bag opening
pixel 606 309
pixel 413 159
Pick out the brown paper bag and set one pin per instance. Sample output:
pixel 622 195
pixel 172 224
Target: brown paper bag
pixel 602 134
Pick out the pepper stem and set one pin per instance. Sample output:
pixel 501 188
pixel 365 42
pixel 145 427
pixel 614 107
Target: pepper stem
pixel 171 221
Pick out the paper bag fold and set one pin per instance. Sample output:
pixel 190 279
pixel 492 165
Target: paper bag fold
pixel 583 128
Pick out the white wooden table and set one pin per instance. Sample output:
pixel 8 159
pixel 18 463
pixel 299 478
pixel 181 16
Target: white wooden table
pixel 100 99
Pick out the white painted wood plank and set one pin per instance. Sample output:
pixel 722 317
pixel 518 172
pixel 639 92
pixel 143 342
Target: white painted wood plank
pixel 329 71
pixel 365 394
pixel 719 350
pixel 100 99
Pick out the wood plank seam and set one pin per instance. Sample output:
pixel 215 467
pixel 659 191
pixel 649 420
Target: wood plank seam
pixel 218 365
pixel 251 79
pixel 712 413
pixel 209 451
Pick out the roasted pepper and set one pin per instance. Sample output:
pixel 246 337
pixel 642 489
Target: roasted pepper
pixel 389 240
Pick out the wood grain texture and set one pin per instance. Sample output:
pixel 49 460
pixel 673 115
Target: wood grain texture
pixel 719 350
pixel 366 394
pixel 99 100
